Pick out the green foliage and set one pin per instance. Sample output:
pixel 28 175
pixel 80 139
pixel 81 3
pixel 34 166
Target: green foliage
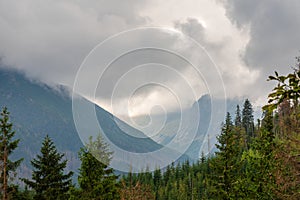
pixel 284 99
pixel 227 164
pixel 7 146
pixel 21 194
pixel 234 172
pixel 248 121
pixel 48 178
pixel 258 180
pixel 96 179
pixel 238 117
pixel 176 182
pixel 288 88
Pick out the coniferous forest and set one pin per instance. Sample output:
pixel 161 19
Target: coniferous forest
pixel 255 159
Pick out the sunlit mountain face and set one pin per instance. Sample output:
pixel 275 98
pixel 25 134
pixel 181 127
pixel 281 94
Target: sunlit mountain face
pixel 203 119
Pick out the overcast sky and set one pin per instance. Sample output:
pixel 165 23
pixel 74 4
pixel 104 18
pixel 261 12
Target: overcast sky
pixel 246 41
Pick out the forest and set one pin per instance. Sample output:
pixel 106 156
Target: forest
pixel 255 159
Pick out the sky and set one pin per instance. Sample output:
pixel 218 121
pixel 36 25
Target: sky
pixel 226 48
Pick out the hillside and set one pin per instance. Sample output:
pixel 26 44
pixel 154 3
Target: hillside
pixel 37 110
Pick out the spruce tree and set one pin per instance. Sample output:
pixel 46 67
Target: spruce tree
pixel 240 130
pixel 248 120
pixel 7 146
pixel 225 162
pixel 157 179
pixel 238 117
pixel 96 179
pixel 48 178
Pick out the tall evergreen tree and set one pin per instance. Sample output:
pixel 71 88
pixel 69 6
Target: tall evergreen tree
pixel 157 179
pixel 225 163
pixel 238 117
pixel 96 179
pixel 248 120
pixel 7 146
pixel 240 130
pixel 48 178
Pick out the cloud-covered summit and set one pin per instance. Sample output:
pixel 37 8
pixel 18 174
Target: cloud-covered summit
pixel 247 40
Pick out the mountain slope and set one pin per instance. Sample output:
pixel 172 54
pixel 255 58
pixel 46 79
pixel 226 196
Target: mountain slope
pixel 207 124
pixel 37 110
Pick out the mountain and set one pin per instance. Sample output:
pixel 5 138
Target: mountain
pixel 195 124
pixel 212 115
pixel 37 110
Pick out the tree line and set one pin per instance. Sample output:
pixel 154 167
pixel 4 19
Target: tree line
pixel 253 161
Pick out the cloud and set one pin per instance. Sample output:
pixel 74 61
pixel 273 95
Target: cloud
pixel 158 67
pixel 48 40
pixel 274 28
pixel 245 39
pixel 226 52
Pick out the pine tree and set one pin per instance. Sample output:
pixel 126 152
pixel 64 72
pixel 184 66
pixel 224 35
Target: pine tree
pixel 226 160
pixel 96 179
pixel 48 178
pixel 238 117
pixel 157 179
pixel 7 146
pixel 248 121
pixel 240 130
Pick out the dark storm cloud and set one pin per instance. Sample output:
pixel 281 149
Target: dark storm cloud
pixel 274 28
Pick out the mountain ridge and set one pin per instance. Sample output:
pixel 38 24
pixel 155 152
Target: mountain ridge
pixel 38 110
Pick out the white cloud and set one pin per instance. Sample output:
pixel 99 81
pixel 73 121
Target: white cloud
pixel 49 40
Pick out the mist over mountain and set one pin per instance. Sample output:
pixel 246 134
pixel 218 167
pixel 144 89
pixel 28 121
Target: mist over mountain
pixel 204 118
pixel 37 110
